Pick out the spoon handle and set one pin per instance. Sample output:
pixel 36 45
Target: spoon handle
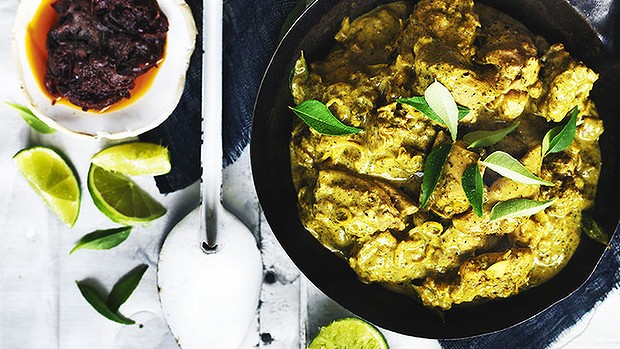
pixel 211 151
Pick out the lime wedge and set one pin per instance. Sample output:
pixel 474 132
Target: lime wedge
pixel 119 198
pixel 134 159
pixel 349 333
pixel 53 179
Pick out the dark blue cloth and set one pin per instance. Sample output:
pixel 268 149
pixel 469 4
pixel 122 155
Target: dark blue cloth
pixel 251 30
pixel 181 132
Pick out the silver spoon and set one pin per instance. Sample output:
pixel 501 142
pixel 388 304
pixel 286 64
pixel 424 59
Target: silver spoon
pixel 210 270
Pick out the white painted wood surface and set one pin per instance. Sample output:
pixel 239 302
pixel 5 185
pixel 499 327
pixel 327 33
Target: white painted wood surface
pixel 41 308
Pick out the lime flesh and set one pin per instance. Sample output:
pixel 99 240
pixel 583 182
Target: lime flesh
pixel 119 198
pixel 134 159
pixel 53 180
pixel 349 333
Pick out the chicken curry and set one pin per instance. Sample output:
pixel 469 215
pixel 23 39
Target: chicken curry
pixel 359 194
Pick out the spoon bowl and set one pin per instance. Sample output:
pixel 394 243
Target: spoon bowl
pixel 209 299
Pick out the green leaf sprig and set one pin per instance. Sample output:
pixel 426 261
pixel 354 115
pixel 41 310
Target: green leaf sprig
pixel 439 106
pixel 297 10
pixel 125 287
pixel 96 301
pixel 556 140
pixel 593 230
pixel 102 239
pixel 31 119
pixel 420 103
pixel 473 187
pixel 119 294
pixel 518 208
pixel 507 166
pixel 318 116
pixel 441 101
pixel 433 166
pixel 479 139
pixel 560 137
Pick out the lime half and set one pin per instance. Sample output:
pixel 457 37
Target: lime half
pixel 134 159
pixel 53 179
pixel 349 333
pixel 119 198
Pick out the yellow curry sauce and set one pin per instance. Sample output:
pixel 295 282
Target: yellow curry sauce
pixel 359 194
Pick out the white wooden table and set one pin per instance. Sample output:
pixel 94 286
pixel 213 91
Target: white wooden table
pixel 40 306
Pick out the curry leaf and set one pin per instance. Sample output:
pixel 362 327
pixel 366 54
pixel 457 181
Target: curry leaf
pixel 299 8
pixel 299 71
pixel 593 230
pixel 433 166
pixel 94 299
pixel 510 167
pixel 125 287
pixel 441 101
pixel 473 187
pixel 318 116
pixel 422 106
pixel 518 208
pixel 463 112
pixel 560 137
pixel 31 119
pixel 102 239
pixel 478 139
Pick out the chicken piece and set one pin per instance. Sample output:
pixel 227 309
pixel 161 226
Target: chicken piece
pixel 511 104
pixel 448 198
pixel 566 84
pixel 396 80
pixel 453 22
pixel 566 171
pixel 397 139
pixel 590 129
pixel 491 275
pixel 404 123
pixel 434 60
pixel 370 38
pixel 505 188
pixel 553 240
pixel 428 249
pixel 351 103
pixel 344 207
pixel 392 147
pixel 508 46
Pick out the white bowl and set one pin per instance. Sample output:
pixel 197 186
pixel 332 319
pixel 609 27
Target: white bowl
pixel 131 119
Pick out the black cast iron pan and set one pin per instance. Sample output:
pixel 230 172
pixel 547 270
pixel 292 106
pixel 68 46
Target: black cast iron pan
pixel 313 33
